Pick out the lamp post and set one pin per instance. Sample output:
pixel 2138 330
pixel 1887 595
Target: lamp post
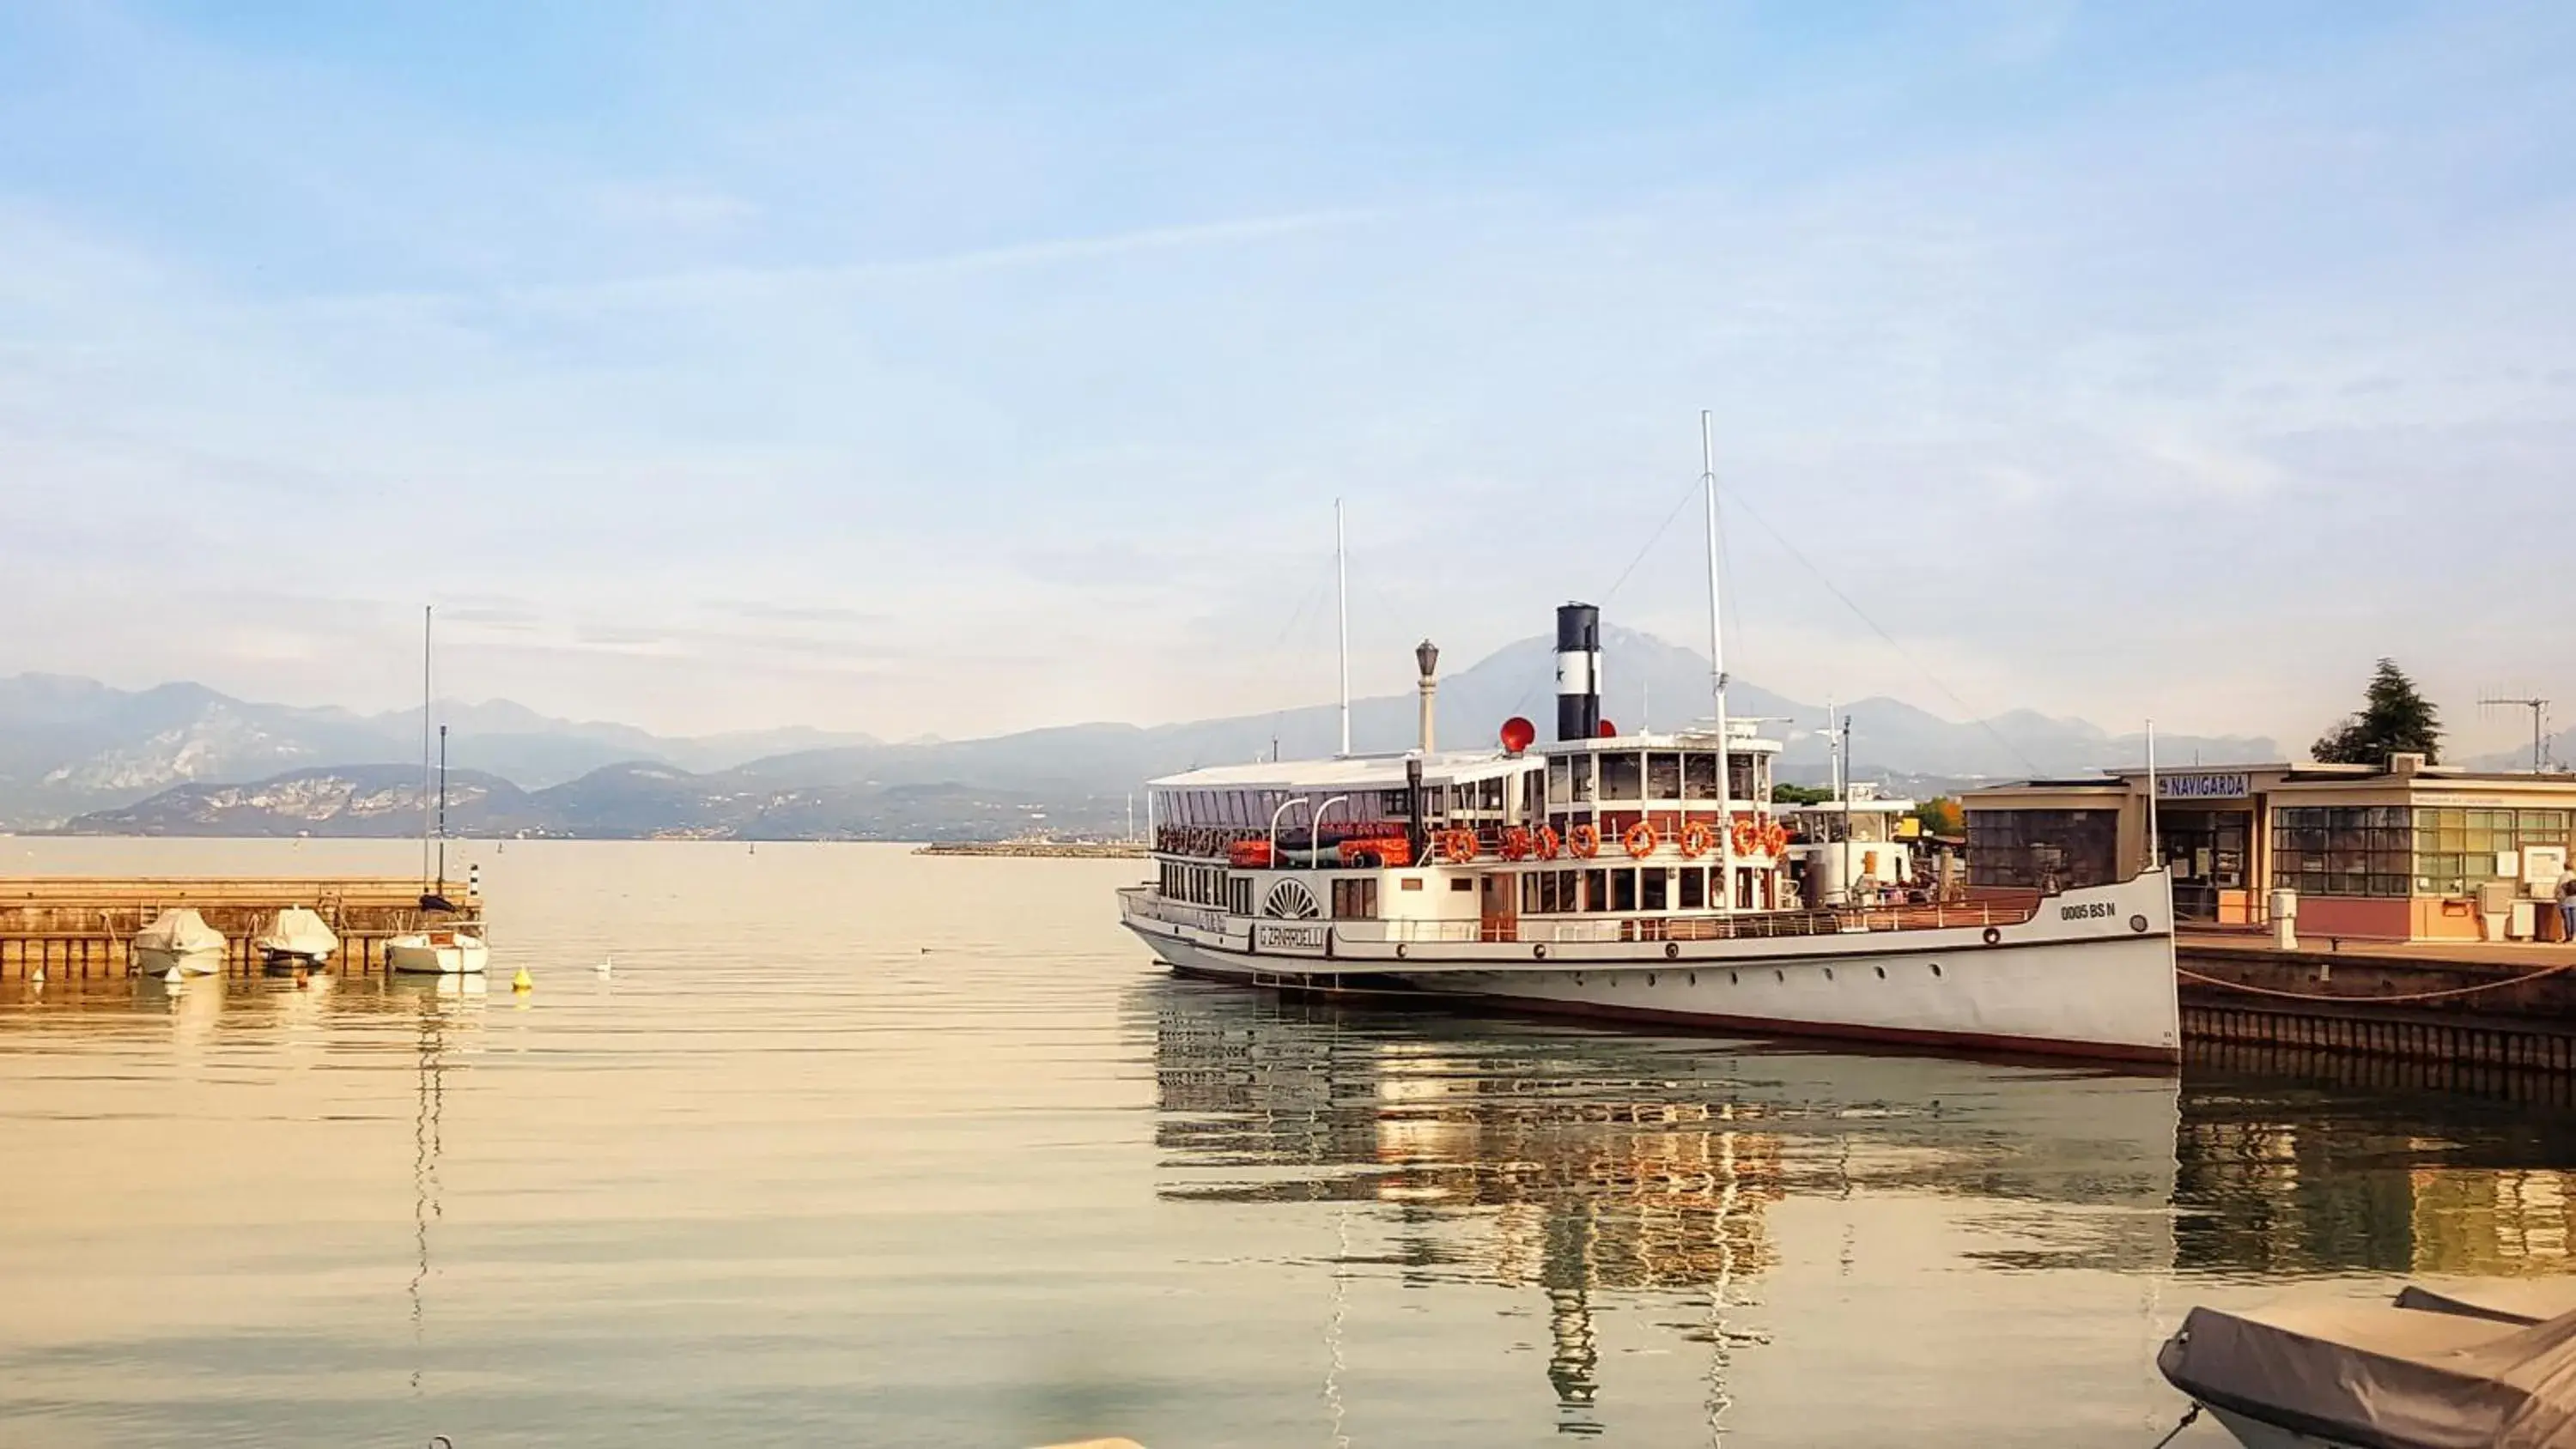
pixel 1427 655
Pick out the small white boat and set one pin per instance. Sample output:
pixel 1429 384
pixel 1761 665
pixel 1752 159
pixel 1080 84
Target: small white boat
pixel 178 940
pixel 442 952
pixel 298 937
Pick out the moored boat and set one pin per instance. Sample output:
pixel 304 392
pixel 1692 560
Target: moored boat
pixel 1639 876
pixel 435 949
pixel 439 952
pixel 178 940
pixel 2344 1375
pixel 298 937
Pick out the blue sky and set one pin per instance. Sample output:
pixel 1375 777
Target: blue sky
pixel 966 368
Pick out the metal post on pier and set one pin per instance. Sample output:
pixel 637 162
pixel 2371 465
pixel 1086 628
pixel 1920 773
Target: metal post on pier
pixel 2155 838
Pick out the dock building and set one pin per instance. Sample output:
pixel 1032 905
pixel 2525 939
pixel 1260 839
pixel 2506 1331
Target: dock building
pixel 2405 852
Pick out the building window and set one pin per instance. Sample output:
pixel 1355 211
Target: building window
pixel 2049 850
pixel 2456 850
pixel 2343 850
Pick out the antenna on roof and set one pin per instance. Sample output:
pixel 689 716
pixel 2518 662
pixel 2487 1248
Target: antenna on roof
pixel 2539 722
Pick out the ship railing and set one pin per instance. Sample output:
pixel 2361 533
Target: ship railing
pixel 1175 913
pixel 1750 925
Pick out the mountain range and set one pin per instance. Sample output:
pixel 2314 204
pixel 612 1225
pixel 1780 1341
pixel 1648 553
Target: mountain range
pixel 183 759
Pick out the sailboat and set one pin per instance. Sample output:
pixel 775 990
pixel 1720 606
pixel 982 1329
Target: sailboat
pixel 434 950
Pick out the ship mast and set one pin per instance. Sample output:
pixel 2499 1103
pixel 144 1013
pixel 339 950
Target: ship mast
pixel 1342 608
pixel 1717 670
pixel 428 616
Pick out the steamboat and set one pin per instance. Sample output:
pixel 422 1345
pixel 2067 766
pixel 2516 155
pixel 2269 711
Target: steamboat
pixel 1643 877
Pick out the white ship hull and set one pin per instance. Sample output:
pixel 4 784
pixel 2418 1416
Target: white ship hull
pixel 440 953
pixel 2091 975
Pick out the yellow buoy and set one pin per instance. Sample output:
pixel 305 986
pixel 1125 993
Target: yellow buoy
pixel 521 982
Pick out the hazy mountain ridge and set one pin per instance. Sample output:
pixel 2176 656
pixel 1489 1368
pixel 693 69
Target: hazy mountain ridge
pixel 70 745
pixel 1068 778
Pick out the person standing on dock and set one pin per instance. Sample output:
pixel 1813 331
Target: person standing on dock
pixel 2567 907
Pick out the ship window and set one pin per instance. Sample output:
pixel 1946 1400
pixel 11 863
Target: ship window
pixel 1653 888
pixel 1242 893
pixel 1560 780
pixel 1694 887
pixel 1596 890
pixel 1699 776
pixel 1462 883
pixel 1355 900
pixel 1409 883
pixel 1623 890
pixel 1663 776
pixel 1619 777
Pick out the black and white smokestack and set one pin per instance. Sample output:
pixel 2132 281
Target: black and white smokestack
pixel 1578 671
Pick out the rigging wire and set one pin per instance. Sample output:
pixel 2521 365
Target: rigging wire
pixel 1975 716
pixel 1279 644
pixel 1620 582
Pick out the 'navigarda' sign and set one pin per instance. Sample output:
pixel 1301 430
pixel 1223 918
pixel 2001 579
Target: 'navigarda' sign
pixel 2223 785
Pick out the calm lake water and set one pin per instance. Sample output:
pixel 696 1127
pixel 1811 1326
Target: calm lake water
pixel 858 1147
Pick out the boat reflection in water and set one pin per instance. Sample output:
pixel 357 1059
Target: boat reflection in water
pixel 1720 1227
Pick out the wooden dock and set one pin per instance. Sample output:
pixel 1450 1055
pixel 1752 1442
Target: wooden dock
pixel 80 926
pixel 2485 1005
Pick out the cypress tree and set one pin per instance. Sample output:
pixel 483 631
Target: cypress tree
pixel 2394 719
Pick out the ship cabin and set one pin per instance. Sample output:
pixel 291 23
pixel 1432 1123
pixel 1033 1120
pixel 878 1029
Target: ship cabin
pixel 1856 844
pixel 1616 838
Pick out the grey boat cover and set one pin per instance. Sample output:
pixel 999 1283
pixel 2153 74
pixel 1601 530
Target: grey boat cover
pixel 179 930
pixel 2505 1300
pixel 2382 1377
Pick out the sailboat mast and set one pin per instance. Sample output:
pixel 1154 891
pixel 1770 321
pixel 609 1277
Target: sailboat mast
pixel 1342 607
pixel 442 809
pixel 427 617
pixel 1717 668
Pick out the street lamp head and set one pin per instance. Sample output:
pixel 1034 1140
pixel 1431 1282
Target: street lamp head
pixel 1427 654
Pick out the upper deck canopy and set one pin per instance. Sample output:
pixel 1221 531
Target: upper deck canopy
pixel 1351 772
pixel 1445 767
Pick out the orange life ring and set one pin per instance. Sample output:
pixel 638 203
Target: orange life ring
pixel 1550 844
pixel 1584 840
pixel 1516 843
pixel 1745 837
pixel 1775 838
pixel 1698 839
pixel 1640 839
pixel 1458 846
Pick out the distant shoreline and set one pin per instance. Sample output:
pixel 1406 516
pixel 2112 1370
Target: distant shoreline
pixel 1045 849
